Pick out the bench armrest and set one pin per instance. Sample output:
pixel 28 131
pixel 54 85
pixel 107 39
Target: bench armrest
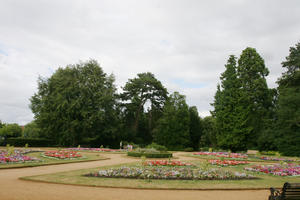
pixel 275 194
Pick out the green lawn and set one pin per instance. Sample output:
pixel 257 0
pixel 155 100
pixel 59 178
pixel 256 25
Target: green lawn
pixel 52 161
pixel 77 178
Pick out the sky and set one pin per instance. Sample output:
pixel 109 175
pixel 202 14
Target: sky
pixel 184 43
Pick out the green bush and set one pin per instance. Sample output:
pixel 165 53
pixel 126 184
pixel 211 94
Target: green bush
pixel 188 149
pixel 204 149
pixel 157 147
pixel 268 153
pixel 32 142
pixel 150 155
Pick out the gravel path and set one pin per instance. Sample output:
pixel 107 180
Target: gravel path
pixel 11 188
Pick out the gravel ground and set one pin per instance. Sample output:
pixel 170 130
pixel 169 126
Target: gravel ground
pixel 11 188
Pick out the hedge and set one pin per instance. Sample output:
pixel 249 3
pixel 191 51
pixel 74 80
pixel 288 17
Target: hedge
pixel 150 155
pixel 32 142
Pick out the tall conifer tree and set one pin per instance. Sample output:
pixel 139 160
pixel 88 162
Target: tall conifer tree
pixel 256 98
pixel 288 112
pixel 230 120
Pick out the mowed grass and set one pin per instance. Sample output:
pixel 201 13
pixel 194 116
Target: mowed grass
pixel 52 161
pixel 76 177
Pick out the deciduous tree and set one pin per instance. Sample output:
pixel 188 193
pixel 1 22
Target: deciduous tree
pixel 76 102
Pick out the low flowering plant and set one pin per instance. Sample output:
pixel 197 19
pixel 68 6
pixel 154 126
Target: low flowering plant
pixel 166 163
pixel 222 154
pixel 95 149
pixel 17 156
pixel 62 154
pixel 276 169
pixel 175 173
pixel 277 159
pixel 227 162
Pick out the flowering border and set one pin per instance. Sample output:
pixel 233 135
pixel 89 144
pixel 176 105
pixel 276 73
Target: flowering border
pixel 276 169
pixel 164 173
pixel 62 155
pixel 222 155
pixel 225 163
pixel 16 157
pixel 166 163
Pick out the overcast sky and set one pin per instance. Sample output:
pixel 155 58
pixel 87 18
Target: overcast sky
pixel 185 43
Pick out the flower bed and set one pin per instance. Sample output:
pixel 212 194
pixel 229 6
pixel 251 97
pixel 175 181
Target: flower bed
pixel 277 159
pixel 95 149
pixel 227 162
pixel 166 163
pixel 175 173
pixel 62 154
pixel 223 154
pixel 277 169
pixel 17 156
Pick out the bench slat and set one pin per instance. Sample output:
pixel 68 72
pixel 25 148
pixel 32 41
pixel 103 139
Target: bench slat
pixel 290 191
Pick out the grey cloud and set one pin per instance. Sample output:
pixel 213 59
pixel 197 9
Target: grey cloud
pixel 174 39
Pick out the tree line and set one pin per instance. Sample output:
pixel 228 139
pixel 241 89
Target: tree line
pixel 80 105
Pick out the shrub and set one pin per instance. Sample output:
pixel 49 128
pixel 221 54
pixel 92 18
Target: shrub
pixel 188 149
pixel 157 147
pixel 150 155
pixel 268 153
pixel 204 148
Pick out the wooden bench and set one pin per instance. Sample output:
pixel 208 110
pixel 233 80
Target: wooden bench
pixel 290 191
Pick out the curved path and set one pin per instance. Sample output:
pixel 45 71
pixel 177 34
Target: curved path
pixel 11 188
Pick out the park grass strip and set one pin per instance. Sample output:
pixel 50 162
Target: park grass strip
pixel 76 178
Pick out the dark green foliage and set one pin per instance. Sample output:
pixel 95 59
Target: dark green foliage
pixel 189 149
pixel 157 147
pixel 173 127
pixel 256 98
pixel 209 136
pixel 76 102
pixel 31 130
pixel 230 119
pixel 11 130
pixel 139 93
pixel 243 103
pixel 150 155
pixel 1 124
pixel 195 128
pixel 267 140
pixel 32 142
pixel 288 109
